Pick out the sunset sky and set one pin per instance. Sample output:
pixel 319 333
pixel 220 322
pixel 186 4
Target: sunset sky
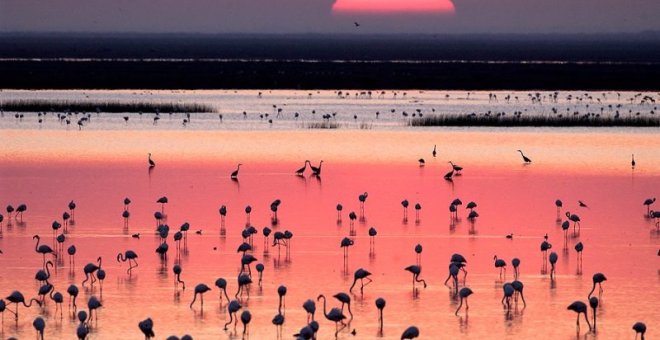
pixel 331 16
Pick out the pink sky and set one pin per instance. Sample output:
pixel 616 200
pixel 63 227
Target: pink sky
pixel 393 6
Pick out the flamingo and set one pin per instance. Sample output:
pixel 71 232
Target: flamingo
pixel 233 308
pixel 163 200
pixel 456 168
pixel 177 272
pixel 360 274
pixel 410 333
pixel 448 176
pixel 72 209
pixel 301 171
pixel 162 250
pixel 380 304
pixel 345 243
pixel 422 162
pixel 234 174
pixel 632 163
pixel 82 331
pixel 515 263
pixel 416 271
pixel 648 202
pixel 147 328
pixel 434 151
pixel 43 249
pixel 639 327
pixel 372 235
pixel 593 302
pixel 418 207
pixel 151 162
pixel 464 293
pixel 598 278
pixel 553 259
pixel 310 307
pixel 339 209
pixel 200 289
pixel 246 260
pixel 404 204
pixel 58 298
pixel 129 256
pixel 316 171
pixel 579 307
pixel 243 281
pixel 127 202
pixel 582 204
pixel 525 159
pixel 518 287
pixel 42 275
pixel 39 325
pixel 345 299
pixel 655 215
pixel 20 210
pixel 471 205
pixel 501 264
pixel 418 251
pixel 245 319
pixel 335 315
pixel 16 297
pixel 73 294
pixel 508 294
pixel 260 269
pixel 363 198
pixel 574 218
pixel 90 270
pixel 558 204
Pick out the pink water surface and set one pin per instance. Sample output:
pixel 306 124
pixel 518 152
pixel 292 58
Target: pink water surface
pixel 193 172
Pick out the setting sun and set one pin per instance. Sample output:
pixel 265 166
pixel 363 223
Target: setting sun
pixel 393 6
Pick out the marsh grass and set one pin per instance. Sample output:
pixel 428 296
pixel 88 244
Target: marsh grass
pixel 322 125
pixel 534 120
pixel 107 106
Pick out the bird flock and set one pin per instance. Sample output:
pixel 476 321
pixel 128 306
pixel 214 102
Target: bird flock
pixel 94 272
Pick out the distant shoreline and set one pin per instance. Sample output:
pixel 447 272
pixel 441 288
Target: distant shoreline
pixel 59 74
pixel 253 61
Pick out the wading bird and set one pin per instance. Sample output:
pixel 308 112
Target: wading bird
pixel 579 307
pixel 525 159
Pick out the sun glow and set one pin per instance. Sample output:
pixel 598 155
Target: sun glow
pixel 393 6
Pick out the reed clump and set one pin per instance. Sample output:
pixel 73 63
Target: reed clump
pixel 502 120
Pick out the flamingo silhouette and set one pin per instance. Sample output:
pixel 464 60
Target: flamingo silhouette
pixel 345 299
pixel 501 264
pixel 639 327
pixel 553 259
pixel 525 159
pixel 515 262
pixel 233 308
pixel 416 271
pixel 360 274
pixel 234 174
pixel 93 304
pixel 151 162
pixel 43 249
pixel 90 270
pixel 575 219
pixel 380 304
pixel 129 256
pixel 579 307
pixel 200 289
pixel 310 307
pixel 245 319
pixel 410 333
pixel 39 325
pixel 456 168
pixel 177 272
pixel 316 171
pixel 518 287
pixel 464 293
pixel 147 328
pixel 598 278
pixel 648 202
pixel 593 302
pixel 335 315
pixel 301 171
pixel 16 298
pixel 43 275
pixel 73 294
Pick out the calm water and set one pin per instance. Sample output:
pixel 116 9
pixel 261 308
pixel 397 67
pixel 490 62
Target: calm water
pixel 46 168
